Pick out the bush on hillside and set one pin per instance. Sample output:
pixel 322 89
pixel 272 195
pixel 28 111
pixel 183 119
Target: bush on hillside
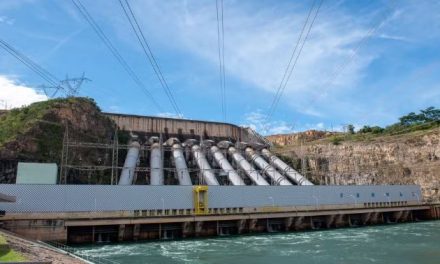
pixel 425 119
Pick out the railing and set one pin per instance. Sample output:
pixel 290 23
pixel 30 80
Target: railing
pixel 85 256
pixel 258 137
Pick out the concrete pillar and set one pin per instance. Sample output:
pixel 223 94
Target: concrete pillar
pixel 374 218
pixel 405 216
pixel 397 216
pixel 365 218
pixel 186 229
pixel 241 225
pixel 312 225
pixel 288 223
pixel 329 220
pixel 136 230
pixel 298 225
pixel 252 224
pixel 121 232
pixel 435 212
pixel 198 228
pixel 339 221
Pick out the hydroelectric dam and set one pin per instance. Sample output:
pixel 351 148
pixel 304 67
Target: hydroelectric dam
pixel 177 178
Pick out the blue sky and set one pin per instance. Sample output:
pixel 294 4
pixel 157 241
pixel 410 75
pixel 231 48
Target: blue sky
pixel 345 74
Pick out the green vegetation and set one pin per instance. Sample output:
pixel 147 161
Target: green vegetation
pixel 336 140
pixel 20 120
pixel 7 254
pixel 35 132
pixel 350 129
pixel 373 129
pixel 426 119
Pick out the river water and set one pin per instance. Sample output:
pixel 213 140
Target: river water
pixel 401 243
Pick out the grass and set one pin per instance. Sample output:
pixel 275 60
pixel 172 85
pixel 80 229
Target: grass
pixel 370 137
pixel 7 254
pixel 20 120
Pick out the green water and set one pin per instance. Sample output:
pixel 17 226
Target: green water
pixel 402 243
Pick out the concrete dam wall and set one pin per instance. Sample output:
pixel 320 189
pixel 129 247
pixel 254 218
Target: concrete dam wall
pixel 183 127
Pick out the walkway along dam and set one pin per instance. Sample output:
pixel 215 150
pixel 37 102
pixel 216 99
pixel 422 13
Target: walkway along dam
pixel 178 178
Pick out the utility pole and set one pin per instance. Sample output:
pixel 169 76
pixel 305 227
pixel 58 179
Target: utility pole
pixel 115 150
pixel 64 156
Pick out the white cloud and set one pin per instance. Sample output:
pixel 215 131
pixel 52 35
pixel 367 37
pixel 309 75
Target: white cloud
pixel 258 43
pixel 7 20
pixel 258 122
pixel 13 94
pixel 393 37
pixel 259 40
pixel 114 108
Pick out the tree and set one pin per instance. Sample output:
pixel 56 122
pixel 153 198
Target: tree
pixel 350 129
pixel 411 119
pixel 365 129
pixel 377 129
pixel 431 114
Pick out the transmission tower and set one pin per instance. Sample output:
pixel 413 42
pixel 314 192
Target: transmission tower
pixel 69 86
pixel 72 85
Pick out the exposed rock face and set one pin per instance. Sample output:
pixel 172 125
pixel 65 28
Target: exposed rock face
pixel 406 159
pixel 35 133
pixel 40 128
pixel 297 138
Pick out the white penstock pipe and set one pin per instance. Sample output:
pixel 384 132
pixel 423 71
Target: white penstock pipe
pixel 289 171
pixel 204 166
pixel 233 176
pixel 182 169
pixel 270 171
pixel 129 168
pixel 156 165
pixel 247 167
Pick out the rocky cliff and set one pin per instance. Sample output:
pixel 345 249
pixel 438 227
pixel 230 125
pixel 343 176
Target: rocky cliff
pixel 35 133
pixel 412 158
pixel 296 138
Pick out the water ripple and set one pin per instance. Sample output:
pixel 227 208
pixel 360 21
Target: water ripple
pixel 402 244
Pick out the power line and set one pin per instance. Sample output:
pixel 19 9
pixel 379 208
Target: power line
pixel 147 50
pixel 291 67
pixel 335 74
pixel 96 28
pixel 50 78
pixel 221 55
pixel 271 108
pixel 43 73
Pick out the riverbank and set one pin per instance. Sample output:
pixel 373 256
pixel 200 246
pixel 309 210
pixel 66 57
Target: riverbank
pixel 7 254
pixel 26 250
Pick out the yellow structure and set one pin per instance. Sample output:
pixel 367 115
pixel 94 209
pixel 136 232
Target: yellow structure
pixel 200 199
